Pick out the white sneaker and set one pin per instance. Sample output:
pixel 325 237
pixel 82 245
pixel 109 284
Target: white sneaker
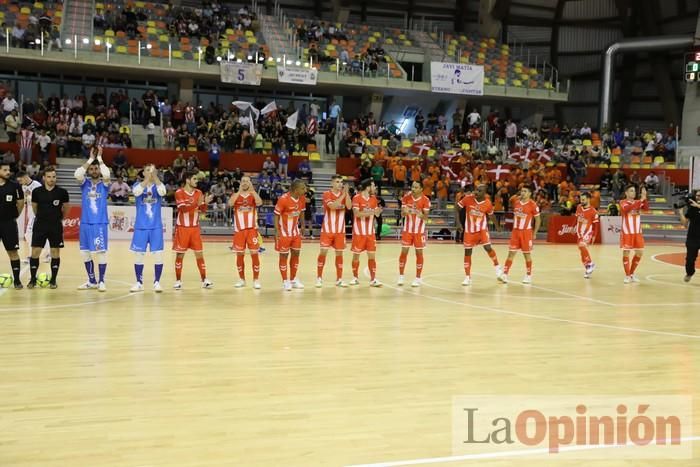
pixel 590 268
pixel 468 280
pixel 256 285
pixel 137 287
pixel 287 286
pixel 319 282
pixel 296 284
pixel 240 284
pixel 354 281
pixel 400 281
pixel 503 278
pixel 87 286
pixel 177 285
pixel 47 259
pixel 586 275
pixel 499 271
pixel 340 283
pixel 417 282
pixel 628 279
pixel 527 280
pixel 207 284
pixel 375 283
pixel 156 287
pixel 102 287
pixel 634 278
pixel 25 260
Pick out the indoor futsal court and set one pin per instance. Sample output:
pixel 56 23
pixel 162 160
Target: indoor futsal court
pixel 329 377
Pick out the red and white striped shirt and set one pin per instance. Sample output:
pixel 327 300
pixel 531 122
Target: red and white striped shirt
pixel 26 139
pixel 333 219
pixel 632 215
pixel 524 213
pixel 189 114
pixel 189 205
pixel 585 220
pixel 364 225
pixel 477 212
pixel 245 212
pixel 412 223
pixel 289 210
pixel 170 134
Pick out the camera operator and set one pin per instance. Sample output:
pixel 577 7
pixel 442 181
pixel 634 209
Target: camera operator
pixel 692 242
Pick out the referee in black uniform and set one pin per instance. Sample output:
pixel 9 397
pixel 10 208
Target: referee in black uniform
pixel 691 219
pixel 50 204
pixel 11 204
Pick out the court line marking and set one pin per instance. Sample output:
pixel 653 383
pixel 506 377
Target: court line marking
pixel 68 305
pixel 574 296
pixel 455 290
pixel 540 317
pixel 501 454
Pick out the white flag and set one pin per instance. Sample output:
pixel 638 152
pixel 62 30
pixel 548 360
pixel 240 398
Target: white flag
pixel 243 105
pixel 251 126
pixel 271 107
pixel 292 120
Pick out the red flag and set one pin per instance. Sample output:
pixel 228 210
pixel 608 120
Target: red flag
pixel 420 149
pixel 499 172
pixel 312 128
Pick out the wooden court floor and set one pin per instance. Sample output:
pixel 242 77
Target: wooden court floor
pixel 327 377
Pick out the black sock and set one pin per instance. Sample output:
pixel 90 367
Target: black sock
pixel 33 268
pixel 55 264
pixel 15 264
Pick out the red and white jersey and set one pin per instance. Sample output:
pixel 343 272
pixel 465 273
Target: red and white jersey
pixel 26 139
pixel 585 220
pixel 364 225
pixel 524 213
pixel 333 219
pixel 245 212
pixel 189 114
pixel 169 134
pixel 188 207
pixel 412 223
pixel 289 210
pixel 632 215
pixel 477 212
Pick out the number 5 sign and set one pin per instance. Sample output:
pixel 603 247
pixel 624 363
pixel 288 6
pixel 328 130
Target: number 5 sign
pixel 241 73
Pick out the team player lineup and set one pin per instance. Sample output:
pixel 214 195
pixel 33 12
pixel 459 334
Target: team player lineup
pixel 148 237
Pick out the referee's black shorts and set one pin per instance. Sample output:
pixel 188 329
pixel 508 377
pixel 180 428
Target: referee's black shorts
pixel 52 232
pixel 9 233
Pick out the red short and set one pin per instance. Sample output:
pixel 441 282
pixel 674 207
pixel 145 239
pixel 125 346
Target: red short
pixel 585 241
pixel 284 244
pixel 333 240
pixel 362 243
pixel 416 240
pixel 246 238
pixel 521 240
pixel 187 238
pixel 631 241
pixel 481 237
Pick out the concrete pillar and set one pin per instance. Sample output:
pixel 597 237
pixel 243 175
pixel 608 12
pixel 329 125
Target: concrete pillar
pixel 376 105
pixel 690 142
pixel 488 25
pixel 186 93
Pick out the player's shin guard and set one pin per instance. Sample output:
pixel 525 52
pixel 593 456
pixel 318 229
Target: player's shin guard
pixel 338 267
pixel 635 263
pixel 138 270
pixel 355 268
pixel 402 262
pixel 283 267
pixel 33 268
pixel 585 256
pixel 506 268
pixel 626 264
pixel 494 258
pixel 467 265
pixel 372 264
pixel 16 265
pixel 255 258
pixel 240 266
pixel 55 265
pixel 178 269
pixel 102 264
pixel 293 267
pixel 158 265
pixel 419 263
pixel 202 268
pixel 528 267
pixel 320 263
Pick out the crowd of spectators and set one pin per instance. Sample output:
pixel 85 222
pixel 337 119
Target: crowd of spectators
pixel 26 35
